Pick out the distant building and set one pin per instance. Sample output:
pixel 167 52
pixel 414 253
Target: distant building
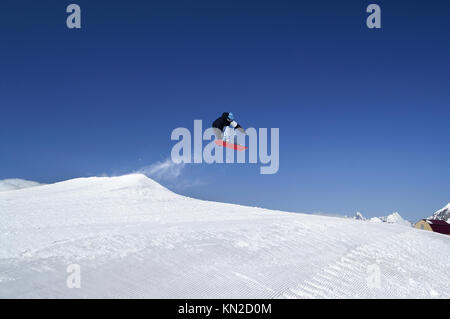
pixel 437 226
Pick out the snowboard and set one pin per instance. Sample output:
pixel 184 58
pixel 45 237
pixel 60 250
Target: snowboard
pixel 231 145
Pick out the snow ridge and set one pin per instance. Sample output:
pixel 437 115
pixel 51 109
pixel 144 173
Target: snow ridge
pixel 16 183
pixel 393 218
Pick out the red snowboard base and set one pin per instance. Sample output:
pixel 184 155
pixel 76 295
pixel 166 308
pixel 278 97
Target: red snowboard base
pixel 231 145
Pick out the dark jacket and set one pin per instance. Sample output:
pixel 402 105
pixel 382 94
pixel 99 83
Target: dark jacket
pixel 223 121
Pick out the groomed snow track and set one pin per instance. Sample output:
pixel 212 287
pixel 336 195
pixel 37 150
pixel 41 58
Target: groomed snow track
pixel 132 238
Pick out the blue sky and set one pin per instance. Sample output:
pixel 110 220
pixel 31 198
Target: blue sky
pixel 363 114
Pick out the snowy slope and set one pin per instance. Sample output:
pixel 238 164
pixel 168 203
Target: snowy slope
pixel 15 183
pixel 134 238
pixel 442 214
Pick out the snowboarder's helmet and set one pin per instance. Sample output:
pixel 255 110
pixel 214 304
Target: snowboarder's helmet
pixel 231 116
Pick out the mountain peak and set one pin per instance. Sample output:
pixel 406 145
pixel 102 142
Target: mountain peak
pixel 442 214
pixel 393 218
pixel 394 214
pixel 359 216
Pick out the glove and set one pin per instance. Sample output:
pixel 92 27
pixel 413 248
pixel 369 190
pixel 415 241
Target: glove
pixel 240 129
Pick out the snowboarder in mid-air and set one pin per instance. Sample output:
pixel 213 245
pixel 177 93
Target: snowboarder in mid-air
pixel 224 127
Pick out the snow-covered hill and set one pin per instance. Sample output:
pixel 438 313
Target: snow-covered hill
pixel 132 237
pixel 16 183
pixel 442 214
pixel 393 218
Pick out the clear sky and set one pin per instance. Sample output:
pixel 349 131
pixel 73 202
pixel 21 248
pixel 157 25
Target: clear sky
pixel 363 114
